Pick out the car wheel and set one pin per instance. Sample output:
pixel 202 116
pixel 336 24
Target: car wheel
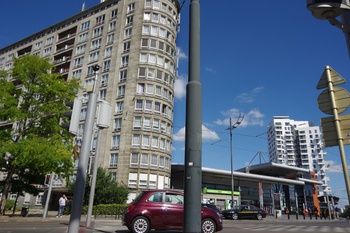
pixel 140 225
pixel 259 216
pixel 208 226
pixel 234 216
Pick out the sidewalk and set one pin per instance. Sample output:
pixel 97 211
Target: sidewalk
pixel 100 224
pixel 294 218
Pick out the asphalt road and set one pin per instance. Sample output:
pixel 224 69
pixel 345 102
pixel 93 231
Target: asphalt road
pixel 102 225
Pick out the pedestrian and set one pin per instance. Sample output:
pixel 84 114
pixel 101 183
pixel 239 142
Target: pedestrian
pixel 61 204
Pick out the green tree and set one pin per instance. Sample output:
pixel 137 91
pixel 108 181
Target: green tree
pixel 32 106
pixel 107 191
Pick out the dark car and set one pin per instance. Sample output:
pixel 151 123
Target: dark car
pixel 212 206
pixel 164 210
pixel 244 211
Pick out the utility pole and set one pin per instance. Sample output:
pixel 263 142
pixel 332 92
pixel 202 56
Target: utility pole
pixel 79 188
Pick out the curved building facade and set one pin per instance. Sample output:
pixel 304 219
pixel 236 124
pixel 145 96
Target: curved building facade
pixel 134 43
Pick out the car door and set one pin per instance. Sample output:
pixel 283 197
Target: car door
pixel 154 210
pixel 173 211
pixel 244 212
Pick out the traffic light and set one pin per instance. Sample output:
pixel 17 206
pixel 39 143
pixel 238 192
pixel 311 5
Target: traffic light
pixel 47 180
pixel 73 115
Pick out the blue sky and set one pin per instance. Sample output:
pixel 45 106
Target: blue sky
pixel 257 59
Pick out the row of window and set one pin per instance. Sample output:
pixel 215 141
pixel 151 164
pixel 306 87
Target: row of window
pixel 143 180
pixel 150 89
pixel 148 106
pixel 158 5
pixel 143 160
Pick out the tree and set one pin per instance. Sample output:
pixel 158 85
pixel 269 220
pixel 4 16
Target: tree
pixel 108 191
pixel 32 107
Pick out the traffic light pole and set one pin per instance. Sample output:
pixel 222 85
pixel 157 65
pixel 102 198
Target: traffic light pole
pixel 79 188
pixel 48 195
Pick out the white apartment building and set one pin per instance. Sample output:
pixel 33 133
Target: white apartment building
pixel 134 43
pixel 298 144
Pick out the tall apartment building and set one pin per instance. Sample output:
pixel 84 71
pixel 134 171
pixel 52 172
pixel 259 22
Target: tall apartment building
pixel 134 43
pixel 299 144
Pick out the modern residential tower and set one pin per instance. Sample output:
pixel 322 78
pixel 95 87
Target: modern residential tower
pixel 134 43
pixel 298 144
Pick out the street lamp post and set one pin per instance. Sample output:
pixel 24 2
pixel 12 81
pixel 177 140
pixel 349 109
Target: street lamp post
pixel 235 125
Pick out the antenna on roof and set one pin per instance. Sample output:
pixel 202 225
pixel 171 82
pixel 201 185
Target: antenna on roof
pixel 83 7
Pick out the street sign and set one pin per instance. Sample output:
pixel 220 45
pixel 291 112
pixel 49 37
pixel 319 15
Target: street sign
pixel 342 100
pixel 330 136
pixel 336 79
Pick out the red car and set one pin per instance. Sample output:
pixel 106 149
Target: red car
pixel 164 210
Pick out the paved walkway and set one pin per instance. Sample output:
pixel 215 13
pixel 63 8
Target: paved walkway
pixel 110 223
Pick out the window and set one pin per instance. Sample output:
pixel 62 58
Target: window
pixel 157 107
pixel 104 80
pixel 137 122
pixel 80 49
pixel 121 91
pixel 153 44
pixel 82 37
pixel 119 107
pixel 149 89
pixel 37 45
pixel 145 30
pixel 126 47
pixel 148 106
pixel 147 123
pixel 144 160
pixel 155 125
pixel 110 39
pixel 129 19
pixel 117 124
pixel 115 142
pixel 162 145
pixel 94 56
pixel 145 141
pixel 47 51
pixel 122 75
pixel 152 58
pixel 97 31
pixel 96 44
pixel 154 142
pixel 125 61
pixel 114 14
pixel 155 17
pixel 140 89
pixel 49 41
pixel 150 73
pixel 132 179
pixel 77 74
pixel 161 161
pixel 106 65
pixel 113 162
pixel 142 72
pixel 154 30
pixel 100 19
pixel 108 52
pixel 78 62
pixel 154 161
pixel 138 105
pixel 102 94
pixel 127 33
pixel 131 7
pixel 136 138
pixel 112 26
pixel 84 26
pixel 152 180
pixel 143 57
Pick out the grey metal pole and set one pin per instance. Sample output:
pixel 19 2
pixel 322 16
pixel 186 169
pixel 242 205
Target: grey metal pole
pixel 339 134
pixel 48 196
pixel 232 181
pixel 93 181
pixel 79 188
pixel 193 141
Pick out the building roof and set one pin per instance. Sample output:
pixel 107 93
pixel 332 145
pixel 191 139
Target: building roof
pixel 274 169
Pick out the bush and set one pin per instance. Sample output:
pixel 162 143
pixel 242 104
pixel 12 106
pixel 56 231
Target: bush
pixel 102 209
pixel 10 204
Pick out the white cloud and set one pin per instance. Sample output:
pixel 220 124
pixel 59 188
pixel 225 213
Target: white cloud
pixel 253 117
pixel 333 167
pixel 180 87
pixel 249 97
pixel 210 70
pixel 207 134
pixel 181 54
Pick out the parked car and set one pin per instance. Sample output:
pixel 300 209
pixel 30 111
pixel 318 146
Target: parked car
pixel 212 206
pixel 244 211
pixel 164 210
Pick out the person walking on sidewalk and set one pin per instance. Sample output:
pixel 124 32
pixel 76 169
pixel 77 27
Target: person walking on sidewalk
pixel 62 203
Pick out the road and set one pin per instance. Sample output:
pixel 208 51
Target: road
pixel 268 225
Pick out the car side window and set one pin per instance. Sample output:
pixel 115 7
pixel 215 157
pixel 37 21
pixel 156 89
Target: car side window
pixel 174 198
pixel 156 197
